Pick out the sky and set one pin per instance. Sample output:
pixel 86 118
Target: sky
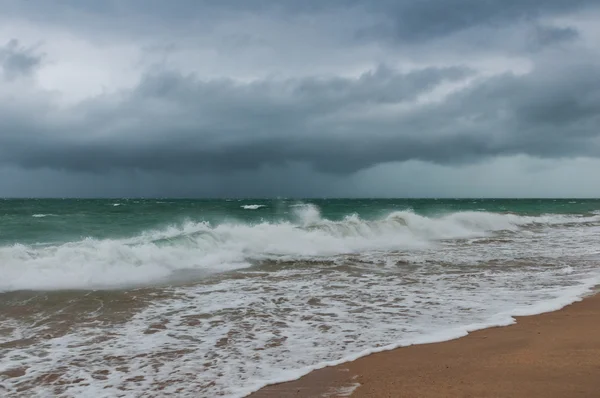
pixel 282 98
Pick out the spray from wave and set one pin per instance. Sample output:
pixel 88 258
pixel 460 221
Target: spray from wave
pixel 156 255
pixel 253 207
pixel 41 215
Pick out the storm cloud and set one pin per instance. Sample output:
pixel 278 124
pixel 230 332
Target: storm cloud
pixel 241 94
pixel 17 61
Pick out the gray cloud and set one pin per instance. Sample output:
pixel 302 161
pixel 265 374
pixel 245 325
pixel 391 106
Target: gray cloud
pixel 177 123
pixel 460 82
pixel 408 21
pixel 16 60
pixel 550 35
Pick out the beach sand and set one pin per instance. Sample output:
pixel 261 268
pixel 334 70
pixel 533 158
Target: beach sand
pixel 556 354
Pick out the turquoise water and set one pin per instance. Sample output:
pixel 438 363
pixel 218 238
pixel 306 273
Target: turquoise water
pixel 41 221
pixel 206 298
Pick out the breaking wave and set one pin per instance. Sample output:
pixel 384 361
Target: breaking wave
pixel 252 207
pixel 155 255
pixel 40 215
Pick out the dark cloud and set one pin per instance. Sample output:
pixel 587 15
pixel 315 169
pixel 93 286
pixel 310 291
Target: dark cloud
pixel 17 61
pixel 253 96
pixel 176 123
pixel 411 21
pixel 549 35
pixel 406 21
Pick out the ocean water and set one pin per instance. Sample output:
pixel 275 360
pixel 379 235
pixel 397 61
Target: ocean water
pixel 217 298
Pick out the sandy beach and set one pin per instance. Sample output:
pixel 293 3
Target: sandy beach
pixel 555 354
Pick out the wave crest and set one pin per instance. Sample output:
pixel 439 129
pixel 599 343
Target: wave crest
pixel 156 255
pixel 253 207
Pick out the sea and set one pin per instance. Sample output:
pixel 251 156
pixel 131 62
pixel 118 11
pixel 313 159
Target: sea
pixel 218 298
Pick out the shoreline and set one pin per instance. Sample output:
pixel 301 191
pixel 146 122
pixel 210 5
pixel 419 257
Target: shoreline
pixel 552 354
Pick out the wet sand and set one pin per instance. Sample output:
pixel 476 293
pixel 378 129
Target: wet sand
pixel 556 354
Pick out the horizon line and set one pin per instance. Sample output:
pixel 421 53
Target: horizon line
pixel 299 197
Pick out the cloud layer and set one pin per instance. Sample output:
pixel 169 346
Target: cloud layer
pixel 330 91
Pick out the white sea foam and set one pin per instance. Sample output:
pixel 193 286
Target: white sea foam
pixel 41 215
pixel 154 256
pixel 398 280
pixel 258 331
pixel 345 391
pixel 253 207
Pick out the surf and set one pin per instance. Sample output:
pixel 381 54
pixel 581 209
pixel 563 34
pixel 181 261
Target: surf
pixel 154 256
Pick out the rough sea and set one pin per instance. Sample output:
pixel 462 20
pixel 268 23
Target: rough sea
pixel 217 298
